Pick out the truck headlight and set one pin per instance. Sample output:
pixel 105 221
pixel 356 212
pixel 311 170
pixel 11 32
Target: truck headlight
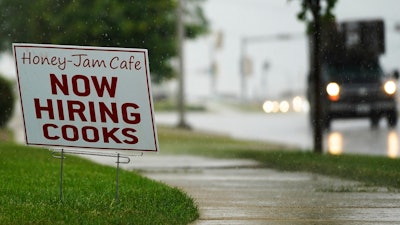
pixel 333 90
pixel 390 87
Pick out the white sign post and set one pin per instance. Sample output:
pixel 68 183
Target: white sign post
pixel 86 97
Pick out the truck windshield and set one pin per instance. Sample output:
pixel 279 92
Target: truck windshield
pixel 350 73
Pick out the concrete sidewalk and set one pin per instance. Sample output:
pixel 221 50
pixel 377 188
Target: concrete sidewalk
pixel 240 192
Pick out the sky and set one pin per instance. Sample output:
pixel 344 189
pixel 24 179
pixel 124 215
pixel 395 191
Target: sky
pixel 286 60
pixel 278 66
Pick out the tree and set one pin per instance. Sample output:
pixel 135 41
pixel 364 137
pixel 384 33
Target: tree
pixel 7 99
pixel 308 8
pixel 314 29
pixel 117 23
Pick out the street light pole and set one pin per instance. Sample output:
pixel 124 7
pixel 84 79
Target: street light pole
pixel 243 69
pixel 315 8
pixel 264 80
pixel 181 86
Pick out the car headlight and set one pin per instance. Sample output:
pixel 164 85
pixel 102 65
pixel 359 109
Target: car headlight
pixel 390 87
pixel 333 90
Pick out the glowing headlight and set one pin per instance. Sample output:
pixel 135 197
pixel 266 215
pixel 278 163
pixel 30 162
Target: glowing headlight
pixel 333 90
pixel 268 106
pixel 284 106
pixel 271 106
pixel 390 87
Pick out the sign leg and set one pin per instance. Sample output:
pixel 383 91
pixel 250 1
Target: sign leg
pixel 117 181
pixel 61 174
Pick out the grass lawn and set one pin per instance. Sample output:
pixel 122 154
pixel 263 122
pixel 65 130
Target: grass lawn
pixel 29 192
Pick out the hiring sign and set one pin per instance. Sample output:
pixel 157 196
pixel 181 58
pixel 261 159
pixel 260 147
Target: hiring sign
pixel 89 97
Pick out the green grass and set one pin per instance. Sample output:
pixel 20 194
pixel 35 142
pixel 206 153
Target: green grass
pixel 372 170
pixel 29 193
pixel 169 105
pixel 29 187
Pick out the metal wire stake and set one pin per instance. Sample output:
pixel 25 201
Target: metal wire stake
pixel 117 181
pixel 125 160
pixel 61 174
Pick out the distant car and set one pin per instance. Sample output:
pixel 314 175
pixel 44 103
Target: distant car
pixel 353 82
pixel 354 91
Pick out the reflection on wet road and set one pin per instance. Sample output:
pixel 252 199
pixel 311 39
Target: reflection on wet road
pixel 345 136
pixel 355 136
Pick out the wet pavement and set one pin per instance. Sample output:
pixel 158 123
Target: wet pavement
pixel 241 192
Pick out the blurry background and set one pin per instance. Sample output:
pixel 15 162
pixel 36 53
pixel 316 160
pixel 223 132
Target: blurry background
pixel 278 65
pixel 276 53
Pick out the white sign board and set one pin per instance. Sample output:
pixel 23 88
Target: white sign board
pixel 87 97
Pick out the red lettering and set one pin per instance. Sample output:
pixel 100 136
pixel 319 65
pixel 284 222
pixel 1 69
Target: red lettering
pixel 130 117
pixel 60 110
pixel 107 134
pixel 128 132
pixel 100 87
pixel 46 131
pixel 105 111
pixel 76 107
pixel 85 87
pixel 55 82
pixel 81 85
pixel 73 131
pixel 89 134
pixel 94 136
pixel 92 113
pixel 39 109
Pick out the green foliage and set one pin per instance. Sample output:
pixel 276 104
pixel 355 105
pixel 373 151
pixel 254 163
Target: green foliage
pixel 169 105
pixel 182 141
pixel 325 11
pixel 7 100
pixel 373 170
pixel 29 193
pixel 118 23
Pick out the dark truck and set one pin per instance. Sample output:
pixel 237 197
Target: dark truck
pixel 353 82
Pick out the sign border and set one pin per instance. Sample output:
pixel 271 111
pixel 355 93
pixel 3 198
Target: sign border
pixel 90 48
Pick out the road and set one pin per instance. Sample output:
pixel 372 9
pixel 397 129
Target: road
pixel 345 136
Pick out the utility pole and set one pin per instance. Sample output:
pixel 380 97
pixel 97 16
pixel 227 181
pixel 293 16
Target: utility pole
pixel 243 78
pixel 316 73
pixel 264 82
pixel 181 86
pixel 245 63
